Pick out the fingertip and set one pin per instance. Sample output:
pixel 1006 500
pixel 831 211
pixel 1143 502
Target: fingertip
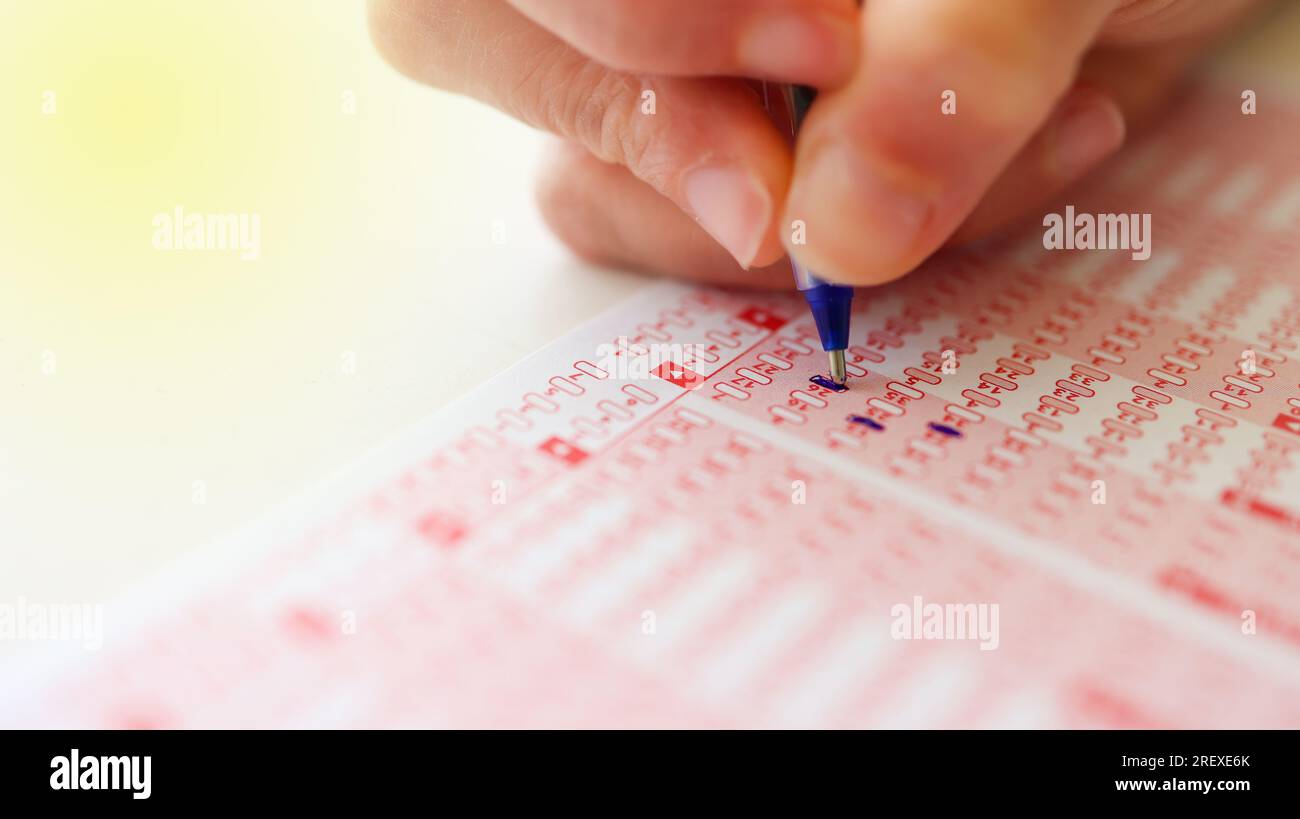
pixel 723 162
pixel 609 217
pixel 733 205
pixel 770 252
pixel 1088 127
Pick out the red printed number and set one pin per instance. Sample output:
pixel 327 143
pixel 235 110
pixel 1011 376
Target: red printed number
pixel 1290 423
pixel 559 448
pixel 761 318
pixel 440 529
pixel 679 374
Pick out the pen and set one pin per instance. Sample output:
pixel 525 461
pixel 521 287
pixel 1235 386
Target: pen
pixel 830 303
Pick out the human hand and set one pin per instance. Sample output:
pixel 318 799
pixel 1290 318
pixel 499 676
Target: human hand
pixel 661 140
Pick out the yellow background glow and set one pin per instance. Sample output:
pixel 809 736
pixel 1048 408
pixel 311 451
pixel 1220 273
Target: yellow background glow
pixel 128 374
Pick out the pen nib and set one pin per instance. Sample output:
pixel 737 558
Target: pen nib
pixel 838 374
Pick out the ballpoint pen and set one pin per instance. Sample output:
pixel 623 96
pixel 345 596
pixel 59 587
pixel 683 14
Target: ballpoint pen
pixel 830 303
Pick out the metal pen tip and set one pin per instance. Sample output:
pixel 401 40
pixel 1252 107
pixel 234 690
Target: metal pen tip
pixel 838 373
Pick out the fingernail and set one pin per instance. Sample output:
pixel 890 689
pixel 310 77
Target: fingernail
pixel 733 206
pixel 799 47
pixel 1087 132
pixel 861 223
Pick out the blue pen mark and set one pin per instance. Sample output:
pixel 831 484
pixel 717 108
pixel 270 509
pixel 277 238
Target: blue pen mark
pixel 865 421
pixel 823 381
pixel 945 429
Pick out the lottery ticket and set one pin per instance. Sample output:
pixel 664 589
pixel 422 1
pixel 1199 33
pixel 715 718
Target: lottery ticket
pixel 1061 490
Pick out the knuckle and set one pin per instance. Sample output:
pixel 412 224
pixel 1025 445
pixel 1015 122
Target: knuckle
pixel 540 93
pixel 565 93
pixel 624 135
pixel 601 109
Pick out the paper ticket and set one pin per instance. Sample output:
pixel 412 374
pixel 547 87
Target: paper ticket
pixel 1062 490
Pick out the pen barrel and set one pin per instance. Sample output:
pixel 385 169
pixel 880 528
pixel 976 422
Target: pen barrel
pixel 787 105
pixel 830 305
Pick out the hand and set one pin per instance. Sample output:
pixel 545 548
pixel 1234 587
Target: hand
pixel 660 141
